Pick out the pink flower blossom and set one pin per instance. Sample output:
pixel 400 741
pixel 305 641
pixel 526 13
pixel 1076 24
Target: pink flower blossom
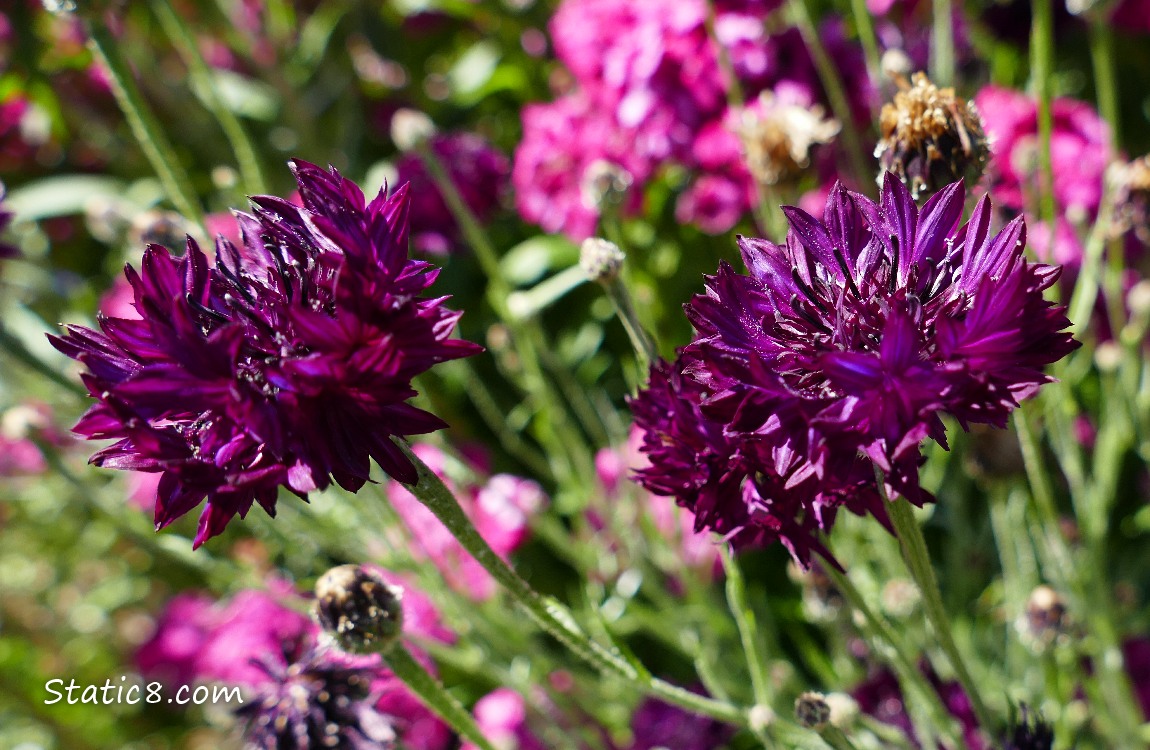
pixel 1080 151
pixel 502 717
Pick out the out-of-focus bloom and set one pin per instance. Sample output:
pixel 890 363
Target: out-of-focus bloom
pixel 6 250
pixel 478 171
pixel 315 700
pixel 258 641
pixel 930 137
pixel 1080 151
pixel 1132 181
pixel 656 724
pixel 564 143
pixel 502 718
pixel 500 509
pixel 881 696
pixel 1063 248
pixel 287 364
pixel 614 467
pixel 1131 16
pixel 847 343
pixel 778 132
pixel 1136 652
pixel 21 427
pixel 648 85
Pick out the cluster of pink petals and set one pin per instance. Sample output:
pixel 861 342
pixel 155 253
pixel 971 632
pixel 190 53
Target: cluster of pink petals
pixel 501 510
pixel 1080 150
pixel 649 91
pixel 200 639
pixel 614 467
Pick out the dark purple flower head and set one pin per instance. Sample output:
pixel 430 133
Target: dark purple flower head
pixel 656 724
pixel 320 699
pixel 1030 733
pixel 286 364
pixel 478 171
pixel 848 342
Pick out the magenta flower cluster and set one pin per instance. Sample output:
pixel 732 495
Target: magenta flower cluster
pixel 286 364
pixel 839 351
pixel 649 91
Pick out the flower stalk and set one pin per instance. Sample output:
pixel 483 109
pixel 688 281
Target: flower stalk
pixel 433 694
pixel 548 613
pixel 917 559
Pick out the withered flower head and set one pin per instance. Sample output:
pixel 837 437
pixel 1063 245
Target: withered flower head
pixel 779 132
pixel 930 137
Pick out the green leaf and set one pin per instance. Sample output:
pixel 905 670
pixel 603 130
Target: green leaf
pixel 529 260
pixel 62 195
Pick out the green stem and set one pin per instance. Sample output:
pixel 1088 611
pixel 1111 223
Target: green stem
pixel 745 621
pixel 942 33
pixel 828 75
pixel 145 127
pixel 1105 78
pixel 434 695
pixel 645 350
pixel 206 85
pixel 526 334
pixel 548 613
pixel 1042 65
pixel 880 630
pixel 869 44
pixel 918 562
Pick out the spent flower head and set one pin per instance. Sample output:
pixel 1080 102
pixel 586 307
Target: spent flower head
pixel 930 137
pixel 288 363
pixel 778 132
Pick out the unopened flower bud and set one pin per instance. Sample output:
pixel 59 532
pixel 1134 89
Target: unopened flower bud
pixel 1047 618
pixel 896 65
pixel 899 597
pixel 604 183
pixel 166 228
pixel 931 137
pixel 1138 298
pixel 600 259
pixel 410 128
pixel 812 710
pixel 1108 356
pixel 844 710
pixel 761 717
pixel 359 609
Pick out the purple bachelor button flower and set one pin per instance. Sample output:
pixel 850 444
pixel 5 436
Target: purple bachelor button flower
pixel 846 343
pixel 286 364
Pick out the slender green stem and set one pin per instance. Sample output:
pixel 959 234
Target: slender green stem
pixel 145 127
pixel 1105 78
pixel 548 613
pixel 1042 69
pixel 745 621
pixel 208 88
pixel 869 44
pixel 880 630
pixel 918 561
pixel 434 695
pixel 641 340
pixel 942 37
pixel 526 334
pixel 828 75
pixel 20 352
